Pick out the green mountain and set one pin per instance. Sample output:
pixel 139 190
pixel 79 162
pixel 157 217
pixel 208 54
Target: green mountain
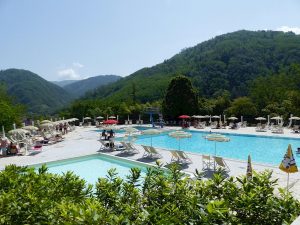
pixel 63 83
pixel 227 62
pixel 39 95
pixel 80 87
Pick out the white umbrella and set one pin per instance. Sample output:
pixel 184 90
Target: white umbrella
pixel 198 117
pixel 131 130
pixel 232 118
pixel 99 117
pixel 46 125
pixel 294 118
pixel 112 117
pixel 87 118
pixel 18 131
pixel 260 118
pixel 217 138
pixel 180 135
pixel 46 121
pixel 151 132
pixel 112 127
pixel 31 128
pixel 276 118
pixel 215 117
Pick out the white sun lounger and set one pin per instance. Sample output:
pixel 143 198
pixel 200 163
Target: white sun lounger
pixel 221 163
pixel 151 152
pixel 180 157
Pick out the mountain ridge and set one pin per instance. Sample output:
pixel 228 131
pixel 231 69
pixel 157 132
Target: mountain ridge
pixel 80 87
pixel 225 63
pixel 39 95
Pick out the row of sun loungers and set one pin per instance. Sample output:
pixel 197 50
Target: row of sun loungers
pixel 177 156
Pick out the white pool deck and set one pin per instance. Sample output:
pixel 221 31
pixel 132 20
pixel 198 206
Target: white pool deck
pixel 84 141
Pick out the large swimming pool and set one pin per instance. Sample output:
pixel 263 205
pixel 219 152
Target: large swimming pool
pixel 92 167
pixel 267 150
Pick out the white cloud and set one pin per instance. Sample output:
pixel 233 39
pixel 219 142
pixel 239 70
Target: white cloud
pixel 68 74
pixel 77 64
pixel 295 30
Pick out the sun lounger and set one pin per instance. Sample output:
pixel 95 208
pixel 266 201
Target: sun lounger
pixel 277 130
pixel 129 148
pixel 221 163
pixel 261 128
pixel 150 152
pixel 180 157
pixel 105 145
pixel 132 147
pixel 207 162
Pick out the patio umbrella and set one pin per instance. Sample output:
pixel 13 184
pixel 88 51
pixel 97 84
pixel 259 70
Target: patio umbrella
pixel 288 164
pixel 260 118
pixel 294 118
pixel 46 125
pixel 112 117
pixel 112 127
pixel 232 118
pixel 249 168
pixel 87 118
pixel 130 130
pixel 198 117
pixel 180 135
pixel 46 121
pixel 99 117
pixel 18 131
pixel 184 117
pixel 217 138
pixel 215 117
pixel 276 118
pixel 30 128
pixel 110 122
pixel 151 132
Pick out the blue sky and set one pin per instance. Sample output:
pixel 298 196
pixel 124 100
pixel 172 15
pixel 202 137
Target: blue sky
pixel 72 39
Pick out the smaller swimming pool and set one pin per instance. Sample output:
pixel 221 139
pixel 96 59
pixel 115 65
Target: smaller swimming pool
pixel 92 167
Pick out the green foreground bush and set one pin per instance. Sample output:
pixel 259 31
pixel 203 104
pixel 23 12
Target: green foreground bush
pixel 30 197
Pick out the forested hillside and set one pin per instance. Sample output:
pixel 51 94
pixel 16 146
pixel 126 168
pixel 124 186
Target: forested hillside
pixel 227 62
pixel 79 88
pixel 39 95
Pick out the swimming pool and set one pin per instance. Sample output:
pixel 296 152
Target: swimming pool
pixel 92 167
pixel 267 150
pixel 140 128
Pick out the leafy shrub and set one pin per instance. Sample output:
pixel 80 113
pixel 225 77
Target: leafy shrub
pixel 38 197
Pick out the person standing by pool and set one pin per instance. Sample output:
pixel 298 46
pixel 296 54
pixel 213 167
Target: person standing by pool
pixel 104 134
pixel 111 133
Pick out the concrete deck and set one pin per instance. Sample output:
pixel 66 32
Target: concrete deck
pixel 84 141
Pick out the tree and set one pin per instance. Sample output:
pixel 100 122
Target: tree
pixel 9 112
pixel 242 107
pixel 180 98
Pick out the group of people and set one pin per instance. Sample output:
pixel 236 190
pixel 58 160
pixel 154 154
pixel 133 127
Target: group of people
pixel 7 147
pixel 107 135
pixel 63 128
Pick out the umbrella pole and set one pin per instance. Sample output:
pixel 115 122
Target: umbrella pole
pixel 287 184
pixel 215 155
pixel 151 140
pixel 179 144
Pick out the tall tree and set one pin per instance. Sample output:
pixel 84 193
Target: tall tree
pixel 181 98
pixel 9 112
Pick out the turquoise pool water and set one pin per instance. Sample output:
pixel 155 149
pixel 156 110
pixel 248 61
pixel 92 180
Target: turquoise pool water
pixel 267 150
pixel 92 167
